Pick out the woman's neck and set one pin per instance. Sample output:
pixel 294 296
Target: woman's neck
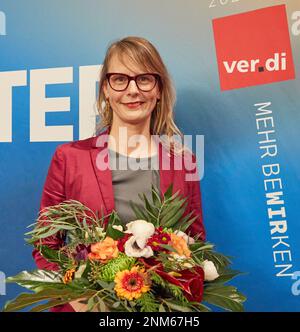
pixel 134 141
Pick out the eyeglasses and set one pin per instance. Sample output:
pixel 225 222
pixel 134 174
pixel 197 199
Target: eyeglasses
pixel 145 82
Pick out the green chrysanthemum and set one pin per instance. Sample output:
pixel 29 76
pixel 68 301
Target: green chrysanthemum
pixel 109 270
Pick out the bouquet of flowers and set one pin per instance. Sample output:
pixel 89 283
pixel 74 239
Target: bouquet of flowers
pixel 148 265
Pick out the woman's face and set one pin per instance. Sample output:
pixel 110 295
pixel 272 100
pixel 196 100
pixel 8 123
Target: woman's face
pixel 123 111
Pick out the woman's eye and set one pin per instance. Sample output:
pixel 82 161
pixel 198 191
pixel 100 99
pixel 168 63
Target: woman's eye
pixel 120 79
pixel 144 79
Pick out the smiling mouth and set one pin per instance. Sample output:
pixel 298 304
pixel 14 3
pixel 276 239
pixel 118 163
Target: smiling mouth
pixel 134 105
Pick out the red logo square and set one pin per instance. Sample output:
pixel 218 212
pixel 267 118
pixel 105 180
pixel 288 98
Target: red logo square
pixel 253 48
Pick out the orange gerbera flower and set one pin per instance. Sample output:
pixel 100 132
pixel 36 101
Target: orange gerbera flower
pixel 104 250
pixel 132 284
pixel 68 276
pixel 180 245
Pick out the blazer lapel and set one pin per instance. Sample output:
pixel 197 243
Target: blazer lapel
pixel 100 161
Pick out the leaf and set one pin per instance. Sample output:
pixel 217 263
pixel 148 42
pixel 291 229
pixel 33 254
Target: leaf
pixel 37 279
pixel 168 247
pixel 48 305
pixel 91 304
pixel 226 276
pixel 116 304
pixel 184 225
pixel 218 259
pixel 101 304
pixel 226 297
pixel 168 192
pixel 173 216
pixel 221 261
pixel 114 220
pixel 38 229
pixel 201 307
pixel 87 269
pixel 177 307
pixel 78 285
pixel 44 235
pixel 161 308
pixel 165 210
pixel 137 210
pixel 24 300
pixel 114 233
pixel 155 197
pixel 80 270
pixel 201 246
pixel 106 285
pixel 85 226
pixel 174 198
pixel 53 255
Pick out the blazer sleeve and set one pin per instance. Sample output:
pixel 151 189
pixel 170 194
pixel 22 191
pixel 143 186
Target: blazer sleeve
pixel 195 205
pixel 53 193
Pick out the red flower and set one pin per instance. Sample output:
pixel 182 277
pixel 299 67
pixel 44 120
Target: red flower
pixel 158 238
pixel 190 280
pixel 122 241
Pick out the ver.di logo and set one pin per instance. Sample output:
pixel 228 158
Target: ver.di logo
pixel 253 48
pixel 2 24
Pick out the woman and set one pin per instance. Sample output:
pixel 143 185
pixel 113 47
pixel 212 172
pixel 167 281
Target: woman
pixel 135 101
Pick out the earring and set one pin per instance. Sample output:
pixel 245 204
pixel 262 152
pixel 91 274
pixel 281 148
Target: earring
pixel 107 106
pixel 158 106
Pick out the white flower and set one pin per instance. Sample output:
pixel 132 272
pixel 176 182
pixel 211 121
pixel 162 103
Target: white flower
pixel 188 239
pixel 133 249
pixel 118 227
pixel 210 271
pixel 140 228
pixel 136 245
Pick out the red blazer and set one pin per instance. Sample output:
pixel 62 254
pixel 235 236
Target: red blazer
pixel 74 173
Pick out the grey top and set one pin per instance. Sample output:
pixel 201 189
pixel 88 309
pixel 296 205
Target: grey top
pixel 131 176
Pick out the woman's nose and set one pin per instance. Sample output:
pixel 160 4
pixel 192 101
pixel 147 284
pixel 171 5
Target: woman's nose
pixel 132 87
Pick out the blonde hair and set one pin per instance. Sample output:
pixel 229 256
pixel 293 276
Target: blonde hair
pixel 142 53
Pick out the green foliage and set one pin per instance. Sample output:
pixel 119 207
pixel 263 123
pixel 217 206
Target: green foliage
pixel 55 256
pixel 55 296
pixel 121 263
pixel 69 216
pixel 204 251
pixel 93 280
pixel 169 288
pixel 166 212
pixel 225 297
pixel 37 280
pixel 177 293
pixel 114 220
pixel 147 303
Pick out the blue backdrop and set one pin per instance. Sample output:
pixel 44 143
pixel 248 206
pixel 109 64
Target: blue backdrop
pixel 72 36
